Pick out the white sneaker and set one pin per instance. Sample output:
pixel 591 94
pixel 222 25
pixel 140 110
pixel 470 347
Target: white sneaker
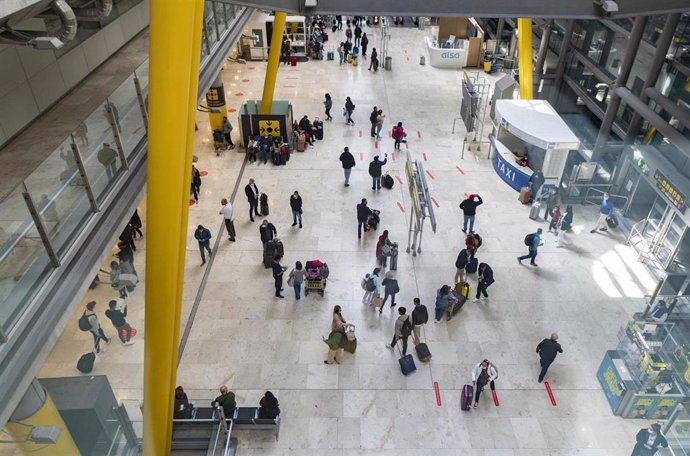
pixel 475 300
pixel 390 347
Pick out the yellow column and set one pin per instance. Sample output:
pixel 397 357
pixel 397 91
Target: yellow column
pixel 273 62
pixel 171 119
pixel 215 99
pixel 525 57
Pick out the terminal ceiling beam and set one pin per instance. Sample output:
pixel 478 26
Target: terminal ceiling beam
pixel 583 9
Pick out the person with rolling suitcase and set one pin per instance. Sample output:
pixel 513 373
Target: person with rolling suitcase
pixel 485 279
pixel 420 317
pixel 484 373
pixel 605 213
pixel 375 171
pixel 252 192
pixel 267 231
pixel 442 301
pixel 402 330
pixel 89 322
pixel 461 264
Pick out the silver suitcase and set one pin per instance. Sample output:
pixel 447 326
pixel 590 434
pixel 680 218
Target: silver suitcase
pixel 534 210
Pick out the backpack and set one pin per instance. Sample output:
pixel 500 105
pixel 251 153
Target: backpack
pixel 529 239
pixel 84 323
pixel 406 327
pixel 370 285
pixel 395 132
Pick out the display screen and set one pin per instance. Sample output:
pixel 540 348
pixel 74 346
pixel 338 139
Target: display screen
pixel 670 191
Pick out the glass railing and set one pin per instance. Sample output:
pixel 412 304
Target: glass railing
pixel 42 217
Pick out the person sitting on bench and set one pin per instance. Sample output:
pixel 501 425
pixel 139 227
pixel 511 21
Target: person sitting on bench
pixel 268 406
pixel 227 401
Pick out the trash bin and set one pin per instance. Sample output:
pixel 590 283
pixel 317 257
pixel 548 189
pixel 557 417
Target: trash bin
pixel 388 65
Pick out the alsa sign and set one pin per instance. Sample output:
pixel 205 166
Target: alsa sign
pixel 450 55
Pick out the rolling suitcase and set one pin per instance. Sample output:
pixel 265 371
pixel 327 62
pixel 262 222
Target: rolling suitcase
pixel 263 204
pixel 278 246
pixel 423 352
pixel 612 221
pixel 318 129
pixel 534 210
pixel 268 260
pixel 407 364
pixel 394 259
pixel 525 195
pixel 293 61
pixel 301 143
pixel 466 398
pixel 330 55
pixel 472 265
pixel 85 363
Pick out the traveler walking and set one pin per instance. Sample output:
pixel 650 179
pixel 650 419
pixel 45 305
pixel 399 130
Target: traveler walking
pixel 605 211
pixel 296 206
pixel 372 119
pixel 390 288
pixel 296 277
pixel 547 351
pixel 420 316
pixel 649 440
pixel 533 241
pixel 483 373
pixel 252 192
pixel 196 183
pixel 552 198
pixel 442 298
pixel 460 264
pixel 228 218
pixel 369 287
pixel 203 235
pixel 127 236
pixel 374 60
pixel 564 225
pixel 380 117
pixel 348 33
pixel 267 232
pixel 363 213
pixel 376 278
pixel 286 50
pixel 227 132
pixel 398 135
pixel 375 171
pixel 555 217
pixel 117 312
pixel 484 280
pixel 349 108
pixel 278 271
pixel 469 210
pixel 358 35
pixel 341 52
pixel 94 326
pixel 348 162
pixel 365 43
pixel 108 158
pixel 384 248
pixel 328 104
pixel 403 329
pixel 338 326
pixel 135 224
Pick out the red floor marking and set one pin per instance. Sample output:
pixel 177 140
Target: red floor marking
pixel 245 80
pixel 361 155
pixel 433 200
pixel 548 390
pixel 407 146
pixel 393 157
pixel 419 135
pixel 399 180
pixel 438 394
pixel 232 110
pixel 239 94
pixel 290 87
pixel 400 206
pixel 376 145
pixel 493 393
pixel 389 134
pixel 251 68
pixel 460 169
pixel 360 133
pixel 467 195
pixel 424 155
pixel 192 202
pixel 430 175
pixel 203 173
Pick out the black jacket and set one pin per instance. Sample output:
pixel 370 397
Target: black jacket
pixel 362 212
pixel 364 41
pixel 375 167
pixel 548 349
pixel 268 407
pixel 296 203
pixel 117 317
pixel 469 206
pixel 462 259
pixel 372 117
pixel 347 159
pixel 267 232
pixel 127 234
pixel 642 437
pixel 420 315
pixel 305 125
pixel 250 195
pixel 486 273
pixel 126 254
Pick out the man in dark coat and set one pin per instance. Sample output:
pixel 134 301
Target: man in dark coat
pixel 375 171
pixel 252 192
pixel 547 350
pixel 362 215
pixel 484 280
pixel 348 162
pixel 649 440
pixel 469 209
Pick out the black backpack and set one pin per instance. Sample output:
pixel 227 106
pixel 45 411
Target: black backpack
pixel 370 285
pixel 388 181
pixel 85 363
pixel 406 327
pixel 529 239
pixel 84 323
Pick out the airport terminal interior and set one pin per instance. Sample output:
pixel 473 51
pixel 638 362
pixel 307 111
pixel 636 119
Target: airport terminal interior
pixel 203 205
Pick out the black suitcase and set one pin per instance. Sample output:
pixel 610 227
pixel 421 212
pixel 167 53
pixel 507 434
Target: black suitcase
pixel 268 260
pixel 263 204
pixel 279 251
pixel 388 181
pixel 423 352
pixel 318 129
pixel 407 364
pixel 85 363
pixel 472 265
pixel 612 221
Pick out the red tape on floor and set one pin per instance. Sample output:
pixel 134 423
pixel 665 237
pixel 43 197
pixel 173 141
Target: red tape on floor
pixel 400 206
pixel 433 200
pixel 376 145
pixel 438 394
pixel 424 156
pixel 460 169
pixel 360 133
pixel 399 180
pixel 430 175
pixel 548 390
pixel 203 173
pixel 419 135
pixel 493 393
pixel 361 155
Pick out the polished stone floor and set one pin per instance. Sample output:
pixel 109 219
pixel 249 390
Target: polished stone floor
pixel 244 337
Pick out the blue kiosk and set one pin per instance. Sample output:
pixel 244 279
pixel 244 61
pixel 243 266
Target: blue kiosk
pixel 530 135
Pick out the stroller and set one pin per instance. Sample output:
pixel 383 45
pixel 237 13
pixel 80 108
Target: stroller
pixel 373 219
pixel 317 274
pixel 219 143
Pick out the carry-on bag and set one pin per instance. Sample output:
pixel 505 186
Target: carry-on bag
pixel 472 265
pixel 422 349
pixel 466 398
pixel 388 181
pixel 86 361
pixel 534 210
pixel 407 365
pixel 263 204
pixel 525 195
pixel 612 221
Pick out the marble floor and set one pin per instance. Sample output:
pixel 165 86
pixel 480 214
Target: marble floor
pixel 244 337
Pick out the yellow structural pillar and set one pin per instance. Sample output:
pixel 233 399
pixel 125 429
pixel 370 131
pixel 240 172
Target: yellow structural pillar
pixel 174 49
pixel 273 62
pixel 37 410
pixel 525 57
pixel 215 100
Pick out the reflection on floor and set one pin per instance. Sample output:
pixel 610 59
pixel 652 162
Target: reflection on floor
pixel 244 337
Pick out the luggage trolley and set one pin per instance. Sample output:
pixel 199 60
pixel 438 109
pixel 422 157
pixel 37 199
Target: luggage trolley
pixel 317 275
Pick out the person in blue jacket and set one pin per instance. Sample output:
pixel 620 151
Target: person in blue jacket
pixel 203 235
pixel 442 297
pixel 605 211
pixel 532 253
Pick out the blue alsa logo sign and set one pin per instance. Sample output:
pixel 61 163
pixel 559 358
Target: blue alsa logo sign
pixel 450 55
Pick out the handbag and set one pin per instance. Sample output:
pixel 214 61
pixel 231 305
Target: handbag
pixel 350 332
pixel 377 302
pixel 291 279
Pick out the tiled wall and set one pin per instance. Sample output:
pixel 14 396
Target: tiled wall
pixel 31 80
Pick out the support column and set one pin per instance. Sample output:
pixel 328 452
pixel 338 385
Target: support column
pixel 37 410
pixel 215 99
pixel 543 48
pixel 172 109
pixel 273 62
pixel 525 57
pixel 499 32
pixel 662 46
pixel 563 52
pixel 621 80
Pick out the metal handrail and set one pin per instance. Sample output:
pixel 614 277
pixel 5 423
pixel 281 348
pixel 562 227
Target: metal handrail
pixel 602 192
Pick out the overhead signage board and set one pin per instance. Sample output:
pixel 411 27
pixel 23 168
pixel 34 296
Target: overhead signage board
pixel 670 191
